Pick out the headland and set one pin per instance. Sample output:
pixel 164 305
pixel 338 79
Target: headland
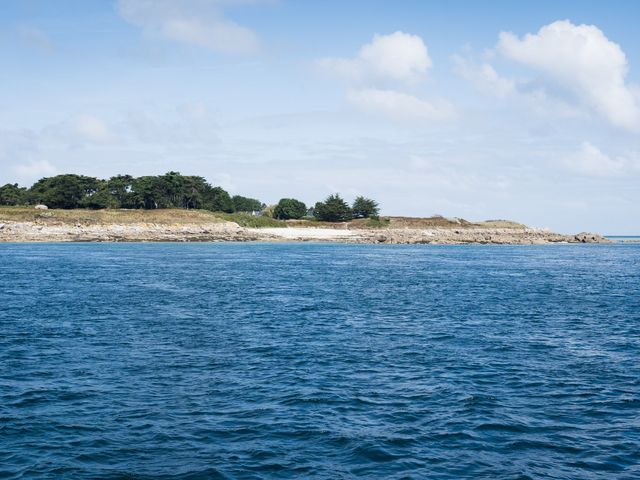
pixel 26 224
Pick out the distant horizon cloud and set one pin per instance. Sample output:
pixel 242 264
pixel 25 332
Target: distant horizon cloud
pixel 36 169
pixel 400 106
pixel 92 128
pixel 593 162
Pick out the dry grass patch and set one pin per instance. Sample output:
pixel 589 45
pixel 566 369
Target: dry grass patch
pixel 108 216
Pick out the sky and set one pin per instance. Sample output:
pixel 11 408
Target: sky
pixel 524 110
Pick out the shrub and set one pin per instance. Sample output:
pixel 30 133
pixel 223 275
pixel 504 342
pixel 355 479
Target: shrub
pixel 289 208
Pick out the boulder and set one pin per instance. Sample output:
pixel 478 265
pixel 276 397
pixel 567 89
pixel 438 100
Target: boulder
pixel 41 207
pixel 381 238
pixel 586 237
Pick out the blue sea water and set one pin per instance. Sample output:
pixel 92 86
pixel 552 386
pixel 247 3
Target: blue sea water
pixel 624 238
pixel 329 361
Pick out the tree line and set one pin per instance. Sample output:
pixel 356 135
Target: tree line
pixel 172 190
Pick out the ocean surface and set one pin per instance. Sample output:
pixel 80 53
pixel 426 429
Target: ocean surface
pixel 192 361
pixel 624 238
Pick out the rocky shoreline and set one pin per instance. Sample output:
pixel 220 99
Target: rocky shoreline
pixel 22 231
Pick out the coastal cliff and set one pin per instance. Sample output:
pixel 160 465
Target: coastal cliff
pixel 22 225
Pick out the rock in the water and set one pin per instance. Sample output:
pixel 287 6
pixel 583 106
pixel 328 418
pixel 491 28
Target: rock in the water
pixel 586 237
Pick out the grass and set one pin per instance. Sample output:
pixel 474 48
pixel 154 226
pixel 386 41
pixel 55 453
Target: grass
pixel 377 222
pixel 108 216
pixel 122 216
pixel 179 216
pixel 501 224
pixel 250 221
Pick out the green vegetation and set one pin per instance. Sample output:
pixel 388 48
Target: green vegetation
pixel 377 222
pixel 175 191
pixel 365 208
pixel 171 190
pixel 252 221
pixel 244 204
pixel 333 209
pixel 12 194
pixel 289 209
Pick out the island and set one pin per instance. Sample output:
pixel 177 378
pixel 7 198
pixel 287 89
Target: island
pixel 177 208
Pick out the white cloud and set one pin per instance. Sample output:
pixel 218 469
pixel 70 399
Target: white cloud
pixel 583 61
pixel 526 94
pixel 92 129
pixel 196 22
pixel 35 169
pixel 398 56
pixel 400 106
pixel 484 77
pixel 591 161
pixel 398 59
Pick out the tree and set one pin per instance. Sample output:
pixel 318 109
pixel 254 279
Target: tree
pixel 289 208
pixel 244 204
pixel 147 193
pixel 365 208
pixel 217 199
pixel 171 187
pixel 12 194
pixel 63 191
pixel 333 209
pixel 102 198
pixel 120 188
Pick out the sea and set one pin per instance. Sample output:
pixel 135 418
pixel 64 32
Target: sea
pixel 332 361
pixel 624 238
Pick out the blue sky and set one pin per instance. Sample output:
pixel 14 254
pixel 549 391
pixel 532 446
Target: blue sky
pixel 521 110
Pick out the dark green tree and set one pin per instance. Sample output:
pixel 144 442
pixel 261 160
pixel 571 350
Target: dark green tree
pixel 63 191
pixel 12 194
pixel 172 189
pixel 101 198
pixel 333 209
pixel 244 204
pixel 289 208
pixel 120 188
pixel 194 190
pixel 365 208
pixel 218 200
pixel 148 193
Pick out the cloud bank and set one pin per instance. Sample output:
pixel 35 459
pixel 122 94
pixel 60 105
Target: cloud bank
pixel 575 66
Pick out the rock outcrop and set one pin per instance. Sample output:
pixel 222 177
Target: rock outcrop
pixel 585 237
pixel 12 231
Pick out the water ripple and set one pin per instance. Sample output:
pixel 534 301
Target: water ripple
pixel 174 361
